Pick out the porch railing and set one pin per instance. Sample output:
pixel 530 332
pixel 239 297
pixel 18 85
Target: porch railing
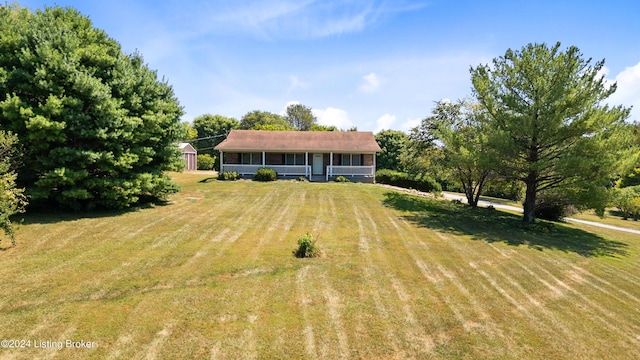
pixel 367 171
pixel 282 170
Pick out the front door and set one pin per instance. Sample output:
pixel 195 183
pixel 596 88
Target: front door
pixel 317 164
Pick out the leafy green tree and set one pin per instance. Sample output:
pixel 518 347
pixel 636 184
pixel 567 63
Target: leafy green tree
pixel 300 117
pixel 627 200
pixel 423 156
pixel 190 131
pixel 459 128
pixel 547 123
pixel 272 127
pixel 97 127
pixel 257 120
pixel 212 130
pixel 12 198
pixel 631 178
pixel 318 127
pixel 392 143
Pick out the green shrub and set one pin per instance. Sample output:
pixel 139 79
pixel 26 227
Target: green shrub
pixel 402 179
pixel 341 179
pixel 303 179
pixel 307 247
pixel 205 162
pixel 265 174
pixel 553 207
pixel 627 200
pixel 228 176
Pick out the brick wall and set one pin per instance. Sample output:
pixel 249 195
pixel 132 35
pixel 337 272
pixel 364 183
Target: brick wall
pixel 367 159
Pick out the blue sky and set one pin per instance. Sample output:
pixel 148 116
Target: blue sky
pixel 373 64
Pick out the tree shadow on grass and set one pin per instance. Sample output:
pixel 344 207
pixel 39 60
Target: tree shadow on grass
pixel 52 216
pixel 209 179
pixel 497 226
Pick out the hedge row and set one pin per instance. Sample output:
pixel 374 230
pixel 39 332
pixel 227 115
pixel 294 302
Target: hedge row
pixel 402 179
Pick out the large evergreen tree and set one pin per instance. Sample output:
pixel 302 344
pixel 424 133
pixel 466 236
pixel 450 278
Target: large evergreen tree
pixel 548 124
pixel 97 126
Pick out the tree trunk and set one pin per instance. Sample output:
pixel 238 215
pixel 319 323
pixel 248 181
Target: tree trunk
pixel 478 189
pixel 530 199
pixel 469 192
pixel 473 200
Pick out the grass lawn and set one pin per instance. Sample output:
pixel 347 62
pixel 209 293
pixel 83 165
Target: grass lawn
pixel 212 275
pixel 612 217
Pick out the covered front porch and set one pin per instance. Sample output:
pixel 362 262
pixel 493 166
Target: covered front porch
pixel 313 166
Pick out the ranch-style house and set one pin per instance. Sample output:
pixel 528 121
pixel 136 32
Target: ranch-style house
pixel 316 155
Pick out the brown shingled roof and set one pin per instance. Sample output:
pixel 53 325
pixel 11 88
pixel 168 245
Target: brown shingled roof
pixel 334 141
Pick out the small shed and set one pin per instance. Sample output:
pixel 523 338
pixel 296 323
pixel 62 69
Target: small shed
pixel 190 156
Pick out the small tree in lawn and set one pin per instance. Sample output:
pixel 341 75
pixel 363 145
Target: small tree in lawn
pixel 307 247
pixel 548 125
pixel 459 128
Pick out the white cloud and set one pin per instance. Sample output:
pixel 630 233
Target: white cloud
pixel 384 122
pixel 410 124
pixel 333 117
pixel 301 19
pixel 371 83
pixel 628 92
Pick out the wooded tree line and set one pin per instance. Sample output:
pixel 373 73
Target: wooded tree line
pixel 208 130
pixel 537 120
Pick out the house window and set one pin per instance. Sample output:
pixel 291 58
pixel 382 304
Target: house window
pixel 294 159
pixel 251 158
pixel 351 160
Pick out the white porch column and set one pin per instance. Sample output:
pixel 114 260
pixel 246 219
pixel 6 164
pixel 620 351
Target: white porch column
pixel 331 163
pixel 374 167
pixel 221 161
pixel 306 164
pixel 263 159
